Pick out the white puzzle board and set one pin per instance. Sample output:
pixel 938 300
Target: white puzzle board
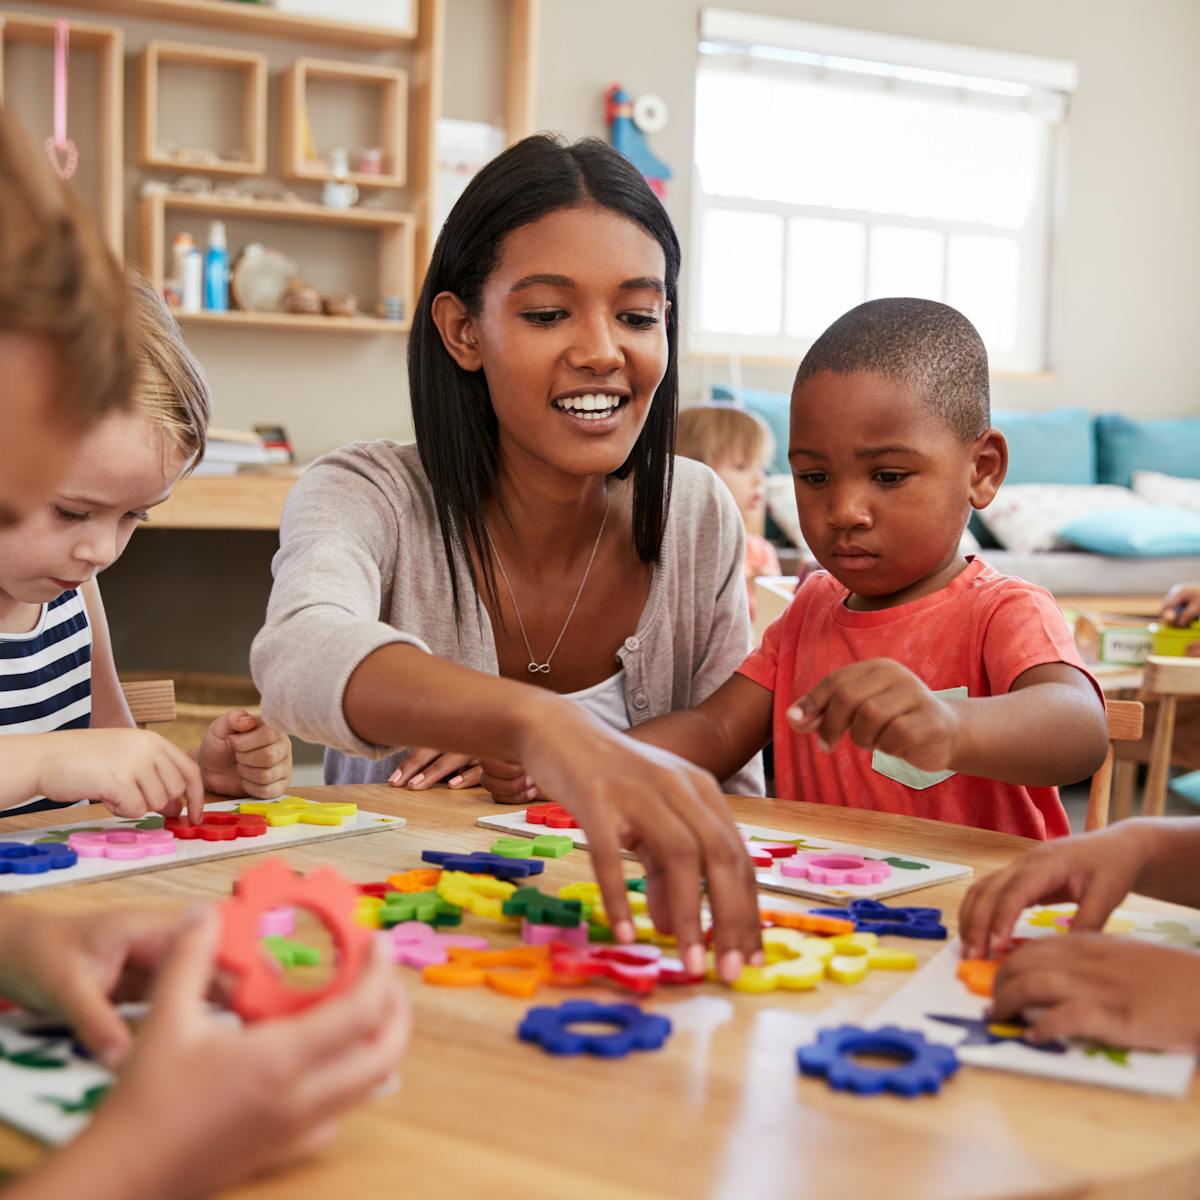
pixel 277 837
pixel 935 989
pixel 909 873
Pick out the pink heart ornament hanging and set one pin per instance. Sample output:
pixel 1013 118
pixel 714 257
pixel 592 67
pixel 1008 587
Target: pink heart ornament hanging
pixel 64 157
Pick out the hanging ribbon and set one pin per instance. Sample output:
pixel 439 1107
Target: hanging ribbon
pixel 60 150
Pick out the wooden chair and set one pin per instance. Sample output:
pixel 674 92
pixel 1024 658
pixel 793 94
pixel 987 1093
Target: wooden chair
pixel 1167 679
pixel 1125 719
pixel 151 701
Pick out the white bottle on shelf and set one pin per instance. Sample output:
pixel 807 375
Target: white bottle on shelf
pixel 191 287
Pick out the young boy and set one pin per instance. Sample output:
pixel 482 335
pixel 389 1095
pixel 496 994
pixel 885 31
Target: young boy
pixel 1114 990
pixel 904 677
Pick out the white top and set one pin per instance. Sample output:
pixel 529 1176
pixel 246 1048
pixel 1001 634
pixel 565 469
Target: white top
pixel 605 700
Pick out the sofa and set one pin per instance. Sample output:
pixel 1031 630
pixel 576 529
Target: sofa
pixel 1092 505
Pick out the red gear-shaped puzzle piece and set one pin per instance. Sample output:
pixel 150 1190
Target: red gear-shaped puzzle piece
pixel 218 827
pixel 261 990
pixel 553 816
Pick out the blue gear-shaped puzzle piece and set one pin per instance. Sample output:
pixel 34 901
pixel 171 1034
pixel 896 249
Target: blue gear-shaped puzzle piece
pixel 635 1030
pixel 480 862
pixel 873 916
pixel 926 1064
pixel 23 859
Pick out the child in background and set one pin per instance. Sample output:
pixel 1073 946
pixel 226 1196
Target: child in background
pixel 1181 608
pixel 1113 990
pixel 265 1095
pixel 737 446
pixel 904 677
pixel 56 664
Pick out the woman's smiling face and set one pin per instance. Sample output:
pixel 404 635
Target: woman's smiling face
pixel 572 338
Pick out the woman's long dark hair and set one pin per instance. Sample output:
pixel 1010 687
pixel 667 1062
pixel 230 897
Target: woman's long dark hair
pixel 455 423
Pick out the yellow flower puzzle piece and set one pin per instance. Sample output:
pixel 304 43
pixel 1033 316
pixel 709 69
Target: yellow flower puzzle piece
pixel 366 911
pixel 478 894
pixel 1059 919
pixel 797 963
pixel 292 810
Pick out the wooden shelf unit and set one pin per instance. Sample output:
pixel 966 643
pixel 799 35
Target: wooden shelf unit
pixel 393 119
pixel 256 20
pixel 253 68
pixel 397 234
pixel 109 44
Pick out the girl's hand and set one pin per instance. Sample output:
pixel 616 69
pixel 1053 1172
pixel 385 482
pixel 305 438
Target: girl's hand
pixel 423 768
pixel 130 771
pixel 1097 870
pixel 1181 606
pixel 882 706
pixel 1115 991
pixel 241 756
pixel 80 966
pixel 507 782
pixel 672 815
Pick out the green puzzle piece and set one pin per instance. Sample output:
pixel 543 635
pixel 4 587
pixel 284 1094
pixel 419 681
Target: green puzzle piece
pixel 600 933
pixel 1176 933
pixel 290 953
pixel 87 1103
pixel 904 864
pixel 36 1058
pixel 1112 1053
pixel 540 909
pixel 636 885
pixel 429 907
pixel 546 845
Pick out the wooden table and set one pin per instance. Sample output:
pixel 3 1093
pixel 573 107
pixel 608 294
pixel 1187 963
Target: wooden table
pixel 721 1111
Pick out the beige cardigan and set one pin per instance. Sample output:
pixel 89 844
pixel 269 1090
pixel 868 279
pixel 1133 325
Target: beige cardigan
pixel 361 565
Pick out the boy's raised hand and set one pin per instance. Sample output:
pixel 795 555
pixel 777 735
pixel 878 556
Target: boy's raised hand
pixel 1181 606
pixel 1096 870
pixel 242 756
pixel 1113 990
pixel 882 706
pixel 131 772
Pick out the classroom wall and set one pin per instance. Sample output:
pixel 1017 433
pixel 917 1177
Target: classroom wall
pixel 1123 304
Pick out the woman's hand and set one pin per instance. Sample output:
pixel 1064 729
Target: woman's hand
pixel 672 815
pixel 507 782
pixel 424 768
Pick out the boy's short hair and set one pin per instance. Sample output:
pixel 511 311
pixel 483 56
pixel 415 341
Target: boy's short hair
pixel 716 433
pixel 170 387
pixel 60 282
pixel 928 345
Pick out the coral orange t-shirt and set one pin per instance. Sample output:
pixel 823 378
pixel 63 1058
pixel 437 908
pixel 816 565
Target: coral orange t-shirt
pixel 980 632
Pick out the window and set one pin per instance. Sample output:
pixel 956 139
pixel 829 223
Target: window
pixel 834 166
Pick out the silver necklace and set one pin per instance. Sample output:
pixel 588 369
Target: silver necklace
pixel 534 667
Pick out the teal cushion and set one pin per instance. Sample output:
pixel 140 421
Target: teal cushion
pixel 1124 446
pixel 1058 446
pixel 1141 531
pixel 774 409
pixel 1188 786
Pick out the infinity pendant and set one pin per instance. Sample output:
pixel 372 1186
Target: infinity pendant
pixel 539 668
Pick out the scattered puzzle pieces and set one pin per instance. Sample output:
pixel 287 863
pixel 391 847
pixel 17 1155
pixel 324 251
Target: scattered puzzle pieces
pixel 637 968
pixel 415 944
pixel 367 912
pixel 921 1067
pixel 290 953
pixel 419 879
pixel 835 870
pixel 278 922
pixel 799 963
pixel 553 816
pixel 430 907
pixel 545 935
pixel 520 971
pixel 546 845
pixel 123 844
pixel 763 853
pixel 22 859
pixel 480 895
pixel 551 1029
pixel 873 916
pixel 479 862
pixel 979 974
pixel 217 827
pixel 982 1032
pixel 292 810
pixel 540 909
pixel 809 922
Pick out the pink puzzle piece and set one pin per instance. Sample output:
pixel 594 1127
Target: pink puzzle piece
pixel 415 944
pixel 123 844
pixel 278 922
pixel 835 869
pixel 545 935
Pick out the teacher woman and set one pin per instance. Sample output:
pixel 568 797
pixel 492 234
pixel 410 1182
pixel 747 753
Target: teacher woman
pixel 536 573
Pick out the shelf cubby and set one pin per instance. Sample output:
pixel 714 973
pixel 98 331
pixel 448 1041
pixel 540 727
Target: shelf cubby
pixel 247 107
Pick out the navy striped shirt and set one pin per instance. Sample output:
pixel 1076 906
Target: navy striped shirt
pixel 46 676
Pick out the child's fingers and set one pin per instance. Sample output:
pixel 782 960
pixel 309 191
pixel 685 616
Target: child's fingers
pixel 1079 1016
pixel 193 781
pixel 261 740
pixel 92 1015
pixel 154 794
pixel 876 718
pixel 182 985
pixel 262 776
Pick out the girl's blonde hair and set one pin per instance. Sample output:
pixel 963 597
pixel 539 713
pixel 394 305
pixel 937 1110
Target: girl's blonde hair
pixel 718 433
pixel 170 387
pixel 60 282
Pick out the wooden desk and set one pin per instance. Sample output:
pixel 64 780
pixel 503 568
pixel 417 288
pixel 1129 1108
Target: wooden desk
pixel 720 1112
pixel 249 500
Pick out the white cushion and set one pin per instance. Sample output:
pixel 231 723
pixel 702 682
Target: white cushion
pixel 1026 517
pixel 1157 488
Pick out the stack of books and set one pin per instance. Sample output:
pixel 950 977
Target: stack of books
pixel 230 450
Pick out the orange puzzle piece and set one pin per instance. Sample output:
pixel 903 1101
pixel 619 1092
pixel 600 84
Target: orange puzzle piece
pixel 807 922
pixel 516 972
pixel 979 974
pixel 419 879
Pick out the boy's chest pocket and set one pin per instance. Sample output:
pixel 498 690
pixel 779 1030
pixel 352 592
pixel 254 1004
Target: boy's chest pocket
pixel 904 773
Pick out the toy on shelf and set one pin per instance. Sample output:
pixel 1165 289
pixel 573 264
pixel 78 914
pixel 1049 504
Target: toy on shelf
pixel 551 1029
pixel 629 121
pixel 921 1066
pixel 259 990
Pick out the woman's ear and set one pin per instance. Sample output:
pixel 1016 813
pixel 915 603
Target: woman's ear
pixel 989 466
pixel 458 331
